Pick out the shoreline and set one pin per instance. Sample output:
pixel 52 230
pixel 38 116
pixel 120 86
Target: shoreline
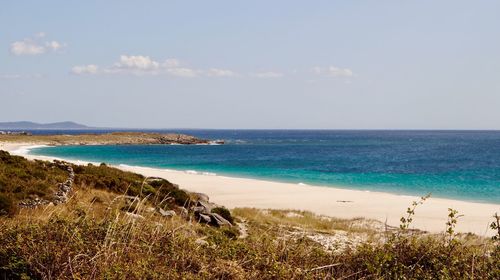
pixel 335 202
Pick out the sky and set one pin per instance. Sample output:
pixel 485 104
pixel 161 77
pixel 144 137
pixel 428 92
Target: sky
pixel 252 64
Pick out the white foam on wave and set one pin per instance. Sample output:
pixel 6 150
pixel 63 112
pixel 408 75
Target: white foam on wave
pixel 302 184
pixel 122 165
pixel 24 150
pixel 194 172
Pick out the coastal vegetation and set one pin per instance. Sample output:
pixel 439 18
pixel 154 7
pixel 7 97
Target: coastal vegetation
pixel 121 225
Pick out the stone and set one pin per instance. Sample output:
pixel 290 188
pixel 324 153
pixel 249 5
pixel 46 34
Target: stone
pixel 204 218
pixel 167 213
pixel 199 209
pixel 219 220
pixel 207 206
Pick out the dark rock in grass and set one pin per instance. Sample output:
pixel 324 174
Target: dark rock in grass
pixel 207 206
pixel 224 212
pixel 219 221
pixel 204 218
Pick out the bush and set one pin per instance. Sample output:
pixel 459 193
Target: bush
pixel 7 205
pixel 21 178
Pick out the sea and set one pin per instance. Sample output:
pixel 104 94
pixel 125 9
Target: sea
pixel 462 165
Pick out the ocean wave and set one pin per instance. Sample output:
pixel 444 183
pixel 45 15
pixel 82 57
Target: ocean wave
pixel 24 150
pixel 194 172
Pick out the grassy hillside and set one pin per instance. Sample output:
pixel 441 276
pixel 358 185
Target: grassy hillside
pixel 98 235
pixel 21 179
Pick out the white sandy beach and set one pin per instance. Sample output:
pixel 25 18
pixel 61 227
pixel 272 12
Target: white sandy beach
pixel 335 202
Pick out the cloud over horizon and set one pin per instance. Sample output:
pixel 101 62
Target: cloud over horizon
pixel 333 71
pixel 142 65
pixel 85 69
pixel 145 65
pixel 268 75
pixel 35 45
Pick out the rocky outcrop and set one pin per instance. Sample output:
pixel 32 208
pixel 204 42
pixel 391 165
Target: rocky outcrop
pixel 203 212
pixel 115 138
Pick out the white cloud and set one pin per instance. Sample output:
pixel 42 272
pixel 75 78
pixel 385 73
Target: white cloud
pixel 144 65
pixel 333 71
pixel 35 46
pixel 171 62
pixel 183 72
pixel 19 76
pixel 137 62
pixel 26 47
pixel 268 75
pixel 85 69
pixel 53 45
pixel 10 76
pixel 215 72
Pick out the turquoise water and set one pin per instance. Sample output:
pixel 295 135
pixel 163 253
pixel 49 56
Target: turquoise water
pixel 452 164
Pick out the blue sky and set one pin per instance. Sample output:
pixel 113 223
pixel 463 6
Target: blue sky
pixel 253 64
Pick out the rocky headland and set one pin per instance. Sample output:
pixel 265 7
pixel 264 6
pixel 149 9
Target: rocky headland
pixel 114 138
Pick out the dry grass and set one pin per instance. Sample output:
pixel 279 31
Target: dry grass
pixel 95 235
pixel 86 239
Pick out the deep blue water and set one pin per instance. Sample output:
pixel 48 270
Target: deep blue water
pixel 452 164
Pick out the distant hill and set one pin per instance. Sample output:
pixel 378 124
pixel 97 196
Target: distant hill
pixel 33 125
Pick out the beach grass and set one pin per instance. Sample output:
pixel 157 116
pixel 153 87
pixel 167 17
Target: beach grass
pixel 95 236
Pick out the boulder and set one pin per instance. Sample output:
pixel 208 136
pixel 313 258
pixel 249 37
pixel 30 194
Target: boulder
pixel 204 218
pixel 219 220
pixel 205 206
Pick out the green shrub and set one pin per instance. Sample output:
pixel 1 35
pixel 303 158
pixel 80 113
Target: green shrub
pixel 8 207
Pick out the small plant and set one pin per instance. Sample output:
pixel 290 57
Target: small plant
pixel 452 223
pixel 495 225
pixel 406 221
